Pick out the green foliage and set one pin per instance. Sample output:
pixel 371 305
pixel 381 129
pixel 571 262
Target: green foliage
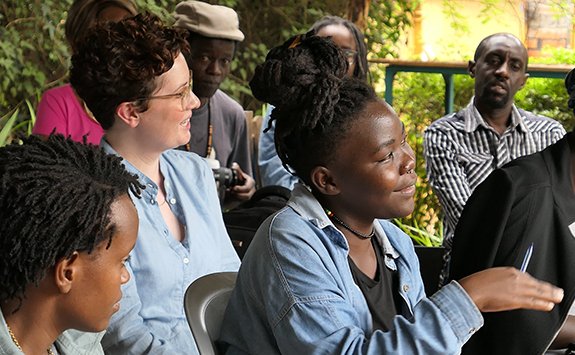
pixel 35 56
pixel 420 236
pixel 545 96
pixel 418 100
pixel 13 127
pixel 386 24
pixel 34 51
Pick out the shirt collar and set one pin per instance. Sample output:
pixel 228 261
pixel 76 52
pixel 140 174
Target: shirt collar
pixel 151 186
pixel 307 206
pixel 474 120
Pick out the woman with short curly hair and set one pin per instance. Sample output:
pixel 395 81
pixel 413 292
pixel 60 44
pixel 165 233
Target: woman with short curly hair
pixel 134 78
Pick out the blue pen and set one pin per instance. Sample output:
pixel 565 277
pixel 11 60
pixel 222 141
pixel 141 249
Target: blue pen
pixel 526 258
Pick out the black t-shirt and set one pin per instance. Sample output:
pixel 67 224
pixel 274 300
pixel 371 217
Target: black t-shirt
pixel 380 293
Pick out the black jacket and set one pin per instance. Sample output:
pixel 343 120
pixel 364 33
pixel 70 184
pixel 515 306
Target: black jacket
pixel 529 200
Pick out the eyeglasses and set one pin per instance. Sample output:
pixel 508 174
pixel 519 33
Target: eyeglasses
pixel 350 55
pixel 184 96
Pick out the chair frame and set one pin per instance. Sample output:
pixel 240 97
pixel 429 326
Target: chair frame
pixel 205 302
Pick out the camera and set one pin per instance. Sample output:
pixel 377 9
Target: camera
pixel 227 177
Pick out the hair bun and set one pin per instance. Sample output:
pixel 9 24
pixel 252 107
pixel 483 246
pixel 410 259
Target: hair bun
pixel 304 66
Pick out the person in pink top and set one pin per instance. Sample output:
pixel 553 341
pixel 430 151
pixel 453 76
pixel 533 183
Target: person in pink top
pixel 61 110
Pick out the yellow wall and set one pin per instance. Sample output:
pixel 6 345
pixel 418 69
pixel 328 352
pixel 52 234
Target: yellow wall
pixel 433 37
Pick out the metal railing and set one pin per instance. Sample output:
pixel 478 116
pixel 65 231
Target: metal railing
pixel 448 69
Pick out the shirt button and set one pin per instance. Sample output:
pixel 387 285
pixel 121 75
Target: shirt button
pixel 472 330
pixel 405 288
pixel 150 186
pixel 152 201
pixel 186 260
pixel 173 201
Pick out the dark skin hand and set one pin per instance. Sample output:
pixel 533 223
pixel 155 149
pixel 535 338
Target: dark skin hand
pixel 244 191
pixel 506 288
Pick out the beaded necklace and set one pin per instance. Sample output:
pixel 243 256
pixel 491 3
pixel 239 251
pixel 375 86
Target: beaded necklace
pixel 346 226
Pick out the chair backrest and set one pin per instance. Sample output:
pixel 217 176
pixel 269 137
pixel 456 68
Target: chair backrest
pixel 205 302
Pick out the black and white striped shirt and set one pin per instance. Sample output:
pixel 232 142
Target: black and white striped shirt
pixel 462 149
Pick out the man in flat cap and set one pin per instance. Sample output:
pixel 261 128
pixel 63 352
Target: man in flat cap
pixel 218 126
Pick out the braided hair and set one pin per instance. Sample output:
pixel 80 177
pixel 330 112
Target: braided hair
pixel 361 67
pixel 315 103
pixel 55 198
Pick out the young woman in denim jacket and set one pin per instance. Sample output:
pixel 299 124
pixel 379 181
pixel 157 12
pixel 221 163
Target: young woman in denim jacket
pixel 328 274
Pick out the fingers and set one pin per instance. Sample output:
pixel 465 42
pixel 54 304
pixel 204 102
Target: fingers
pixel 506 288
pixel 245 190
pixel 536 294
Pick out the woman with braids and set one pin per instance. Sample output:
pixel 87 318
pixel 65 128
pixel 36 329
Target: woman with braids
pixel 61 109
pixel 328 274
pixel 68 226
pixel 134 78
pixel 349 38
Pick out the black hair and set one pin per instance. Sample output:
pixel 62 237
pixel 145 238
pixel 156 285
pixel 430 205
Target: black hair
pixel 481 46
pixel 361 70
pixel 314 102
pixel 570 86
pixel 55 199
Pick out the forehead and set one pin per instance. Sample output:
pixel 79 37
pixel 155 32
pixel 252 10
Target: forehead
pixel 377 122
pixel 504 44
pixel 201 44
pixel 339 34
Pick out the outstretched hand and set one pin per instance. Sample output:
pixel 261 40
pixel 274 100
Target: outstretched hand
pixel 506 288
pixel 246 190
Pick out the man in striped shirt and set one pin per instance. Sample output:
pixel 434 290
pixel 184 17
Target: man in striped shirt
pixel 463 148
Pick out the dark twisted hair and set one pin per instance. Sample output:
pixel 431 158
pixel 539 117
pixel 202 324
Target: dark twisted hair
pixel 55 198
pixel 361 67
pixel 119 62
pixel 314 103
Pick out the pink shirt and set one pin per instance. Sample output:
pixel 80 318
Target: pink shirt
pixel 60 109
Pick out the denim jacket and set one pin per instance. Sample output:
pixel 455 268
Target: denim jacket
pixel 272 171
pixel 295 294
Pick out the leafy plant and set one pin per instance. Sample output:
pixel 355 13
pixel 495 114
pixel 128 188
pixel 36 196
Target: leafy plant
pixel 14 127
pixel 420 236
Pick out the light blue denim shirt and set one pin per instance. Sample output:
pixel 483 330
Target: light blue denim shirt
pixel 151 317
pixel 295 294
pixel 272 171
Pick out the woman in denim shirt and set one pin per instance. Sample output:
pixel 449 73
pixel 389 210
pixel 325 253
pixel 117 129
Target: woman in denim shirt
pixel 134 78
pixel 328 274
